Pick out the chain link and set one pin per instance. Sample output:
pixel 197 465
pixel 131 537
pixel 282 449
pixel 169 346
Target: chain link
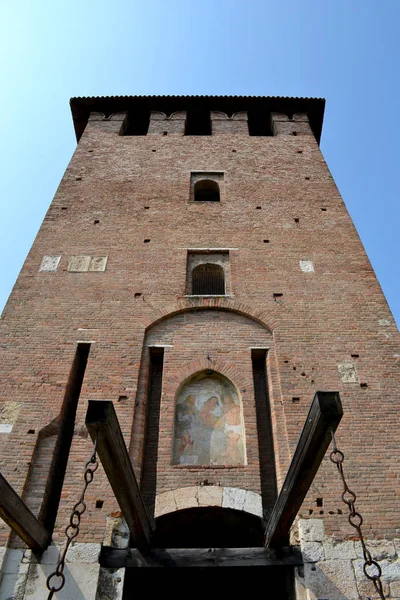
pixel 371 568
pixel 56 580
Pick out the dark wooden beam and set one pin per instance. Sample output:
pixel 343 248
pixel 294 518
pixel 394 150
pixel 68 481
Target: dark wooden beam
pixel 21 519
pixel 102 420
pixel 325 414
pixel 116 558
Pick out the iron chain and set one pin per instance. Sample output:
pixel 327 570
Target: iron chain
pixel 356 521
pixel 56 580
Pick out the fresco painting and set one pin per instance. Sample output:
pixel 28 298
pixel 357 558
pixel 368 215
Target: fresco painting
pixel 208 423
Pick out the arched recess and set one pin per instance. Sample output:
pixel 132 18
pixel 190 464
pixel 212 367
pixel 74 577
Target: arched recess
pixel 265 318
pixel 206 190
pixel 208 424
pixel 193 337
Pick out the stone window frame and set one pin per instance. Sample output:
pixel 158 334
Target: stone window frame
pixel 218 256
pixel 217 176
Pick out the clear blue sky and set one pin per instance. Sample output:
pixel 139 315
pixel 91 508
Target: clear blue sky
pixel 344 50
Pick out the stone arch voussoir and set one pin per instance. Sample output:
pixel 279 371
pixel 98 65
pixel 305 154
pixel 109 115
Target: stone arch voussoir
pixel 208 495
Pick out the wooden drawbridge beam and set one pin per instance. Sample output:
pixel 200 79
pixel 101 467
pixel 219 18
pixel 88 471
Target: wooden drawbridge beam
pixel 21 519
pixel 324 415
pixel 102 421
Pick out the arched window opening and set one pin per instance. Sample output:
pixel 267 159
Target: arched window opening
pixel 208 422
pixel 208 280
pixel 206 190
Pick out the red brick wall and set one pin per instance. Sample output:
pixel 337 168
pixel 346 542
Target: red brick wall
pixel 320 321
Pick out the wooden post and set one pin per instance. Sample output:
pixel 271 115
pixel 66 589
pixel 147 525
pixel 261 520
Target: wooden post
pixel 325 414
pixel 102 420
pixel 21 519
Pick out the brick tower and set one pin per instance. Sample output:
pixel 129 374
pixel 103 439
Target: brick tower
pixel 198 280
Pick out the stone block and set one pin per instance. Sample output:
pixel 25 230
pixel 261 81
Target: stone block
pixel 380 549
pixel 347 373
pixel 6 427
pixel 339 550
pixel 12 587
pixel 253 503
pixel 233 498
pixel 384 322
pixel 80 582
pixel 186 498
pixel 210 495
pixel 165 503
pixel 312 551
pixel 78 264
pixel 307 266
pixel 83 553
pixel 311 530
pixel 98 263
pixel 366 589
pixel 9 413
pixel 395 589
pixel 12 560
pixel 49 264
pixel 330 580
pixel 390 570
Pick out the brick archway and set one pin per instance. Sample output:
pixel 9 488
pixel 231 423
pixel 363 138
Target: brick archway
pixel 263 317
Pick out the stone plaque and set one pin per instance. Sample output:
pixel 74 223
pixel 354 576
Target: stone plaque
pixel 98 263
pixel 307 266
pixel 8 415
pixel 347 373
pixel 49 263
pixel 5 428
pixel 78 264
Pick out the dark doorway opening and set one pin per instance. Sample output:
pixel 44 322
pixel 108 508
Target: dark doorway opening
pixel 274 583
pixel 208 527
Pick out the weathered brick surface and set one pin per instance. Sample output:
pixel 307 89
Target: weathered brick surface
pixel 323 318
